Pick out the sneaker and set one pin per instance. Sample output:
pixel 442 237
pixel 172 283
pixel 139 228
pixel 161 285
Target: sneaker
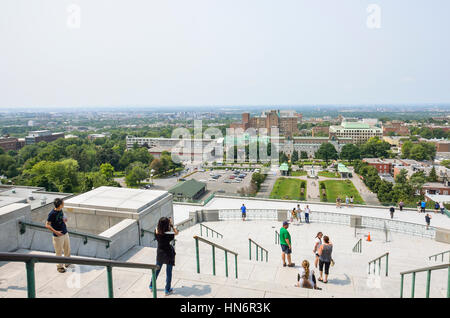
pixel 291 265
pixel 284 265
pixel 168 292
pixel 69 266
pixel 150 288
pixel 61 270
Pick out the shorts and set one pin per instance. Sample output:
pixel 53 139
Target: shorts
pixel 327 266
pixel 422 209
pixel 285 249
pixel 244 215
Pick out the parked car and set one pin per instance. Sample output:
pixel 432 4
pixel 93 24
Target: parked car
pixel 182 179
pixel 227 181
pixel 232 176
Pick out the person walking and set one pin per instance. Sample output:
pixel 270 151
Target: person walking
pixel 307 210
pixel 243 211
pixel 347 200
pixel 306 277
pixel 436 207
pixel 401 205
pixel 423 205
pixel 294 215
pixel 165 252
pixel 428 220
pixel 56 223
pixel 351 201
pixel 392 210
pixel 442 207
pixel 286 244
pixel 299 213
pixel 317 244
pixel 325 259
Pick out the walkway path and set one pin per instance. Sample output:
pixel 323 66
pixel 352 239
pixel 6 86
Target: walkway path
pixel 368 196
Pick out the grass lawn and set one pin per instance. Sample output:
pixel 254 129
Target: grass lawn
pixel 329 174
pixel 299 173
pixel 340 188
pixel 288 189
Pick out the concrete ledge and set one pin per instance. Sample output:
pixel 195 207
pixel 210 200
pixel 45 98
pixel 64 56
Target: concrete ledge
pixel 124 236
pixel 442 235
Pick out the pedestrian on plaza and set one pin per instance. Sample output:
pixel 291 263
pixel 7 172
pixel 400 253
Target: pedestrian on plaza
pixel 286 245
pixel 392 210
pixel 165 252
pixel 351 201
pixel 307 210
pixel 347 200
pixel 418 206
pixel 442 207
pixel 306 277
pixel 294 215
pixel 338 202
pixel 436 207
pixel 317 244
pixel 243 211
pixel 428 220
pixel 401 205
pixel 299 212
pixel 325 258
pixel 56 223
pixel 423 205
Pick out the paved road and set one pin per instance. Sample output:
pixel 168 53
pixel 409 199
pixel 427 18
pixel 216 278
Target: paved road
pixel 368 196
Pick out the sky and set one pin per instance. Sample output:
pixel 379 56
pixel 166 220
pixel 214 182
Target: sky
pixel 91 53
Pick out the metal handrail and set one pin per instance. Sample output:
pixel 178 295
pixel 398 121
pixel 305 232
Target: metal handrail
pixel 31 259
pixel 374 262
pixel 147 231
pixel 277 237
pixel 428 270
pixel 85 236
pixel 439 254
pixel 258 247
pixel 358 247
pixel 209 229
pixel 214 246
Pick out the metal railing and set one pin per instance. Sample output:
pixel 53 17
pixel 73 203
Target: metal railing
pixel 358 247
pixel 374 262
pixel 428 270
pixel 251 214
pixel 207 231
pixel 214 246
pixel 259 249
pixel 23 225
pixel 277 237
pixel 31 259
pixel 440 254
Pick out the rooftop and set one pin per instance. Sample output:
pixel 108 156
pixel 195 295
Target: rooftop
pixel 35 196
pixel 188 188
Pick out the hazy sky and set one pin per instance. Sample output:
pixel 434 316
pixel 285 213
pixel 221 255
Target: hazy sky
pixel 223 52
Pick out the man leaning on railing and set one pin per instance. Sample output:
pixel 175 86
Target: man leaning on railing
pixel 56 223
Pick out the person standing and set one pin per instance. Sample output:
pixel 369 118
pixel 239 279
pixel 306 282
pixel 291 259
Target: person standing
pixel 294 215
pixel 436 207
pixel 401 205
pixel 307 210
pixel 351 201
pixel 299 213
pixel 286 244
pixel 243 211
pixel 338 202
pixel 392 210
pixel 428 220
pixel 325 259
pixel 165 252
pixel 347 200
pixel 423 205
pixel 317 244
pixel 56 223
pixel 418 206
pixel 442 206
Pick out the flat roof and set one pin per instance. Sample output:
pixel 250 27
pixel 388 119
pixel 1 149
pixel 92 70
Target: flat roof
pixel 113 198
pixel 15 194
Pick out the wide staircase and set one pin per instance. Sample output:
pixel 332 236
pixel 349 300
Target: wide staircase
pixel 255 278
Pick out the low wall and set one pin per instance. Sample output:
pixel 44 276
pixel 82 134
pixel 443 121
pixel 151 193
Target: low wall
pixel 10 215
pixel 123 236
pixel 443 235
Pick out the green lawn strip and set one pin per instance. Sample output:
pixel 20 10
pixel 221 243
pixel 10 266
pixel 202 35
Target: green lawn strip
pixel 288 189
pixel 328 174
pixel 342 188
pixel 298 173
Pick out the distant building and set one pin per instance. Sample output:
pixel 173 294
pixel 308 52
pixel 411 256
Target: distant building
pixel 96 136
pixel 188 190
pixel 435 188
pixel 325 130
pixel 396 127
pixel 359 132
pixel 285 120
pixel 37 136
pixel 383 166
pixel 10 143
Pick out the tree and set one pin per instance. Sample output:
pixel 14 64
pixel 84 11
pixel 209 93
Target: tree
pixel 375 148
pixel 350 152
pixel 432 177
pixel 283 157
pixel 326 152
pixel 137 174
pixel 294 157
pixel 303 155
pixel 107 170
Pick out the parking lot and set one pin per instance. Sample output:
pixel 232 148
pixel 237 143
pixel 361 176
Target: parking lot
pixel 223 184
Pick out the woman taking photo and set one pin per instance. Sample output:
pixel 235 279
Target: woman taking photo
pixel 325 259
pixel 165 253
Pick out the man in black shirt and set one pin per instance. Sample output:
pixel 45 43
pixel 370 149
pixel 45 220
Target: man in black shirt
pixel 56 223
pixel 392 210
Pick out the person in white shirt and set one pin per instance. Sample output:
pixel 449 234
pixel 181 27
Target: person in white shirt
pixel 307 210
pixel 317 243
pixel 299 213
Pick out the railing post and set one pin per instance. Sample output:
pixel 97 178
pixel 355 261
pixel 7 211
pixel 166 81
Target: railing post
pixel 154 282
pixel 379 266
pixel 31 285
pixel 110 282
pixel 448 283
pixel 201 232
pixel 369 269
pixel 267 256
pixel 214 259
pixel 226 264
pixel 413 284
pixel 401 286
pixel 249 249
pixel 256 251
pixel 387 264
pixel 428 283
pixel 235 265
pixel 197 255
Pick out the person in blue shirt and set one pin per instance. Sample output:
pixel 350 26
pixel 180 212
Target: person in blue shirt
pixel 56 223
pixel 244 212
pixel 423 204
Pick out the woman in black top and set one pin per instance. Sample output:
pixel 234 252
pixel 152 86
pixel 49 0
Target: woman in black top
pixel 165 253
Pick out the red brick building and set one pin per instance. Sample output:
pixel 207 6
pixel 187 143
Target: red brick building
pixel 396 127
